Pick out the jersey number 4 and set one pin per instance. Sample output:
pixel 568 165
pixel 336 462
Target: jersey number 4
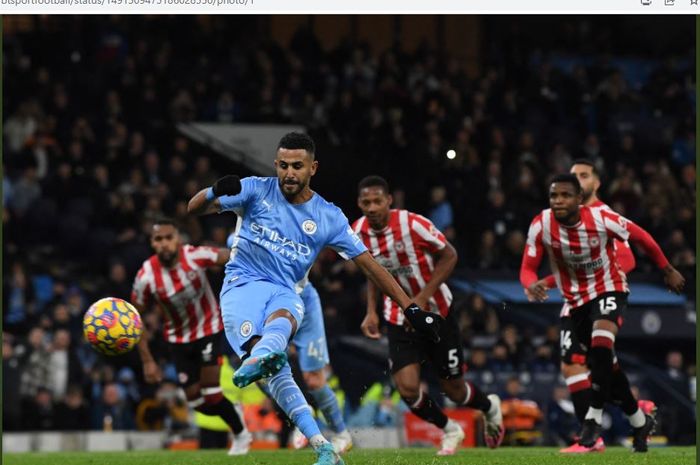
pixel 565 339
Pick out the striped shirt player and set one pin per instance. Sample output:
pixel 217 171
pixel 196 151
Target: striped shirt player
pixel 421 259
pixel 183 293
pixel 405 247
pixel 175 279
pixel 625 257
pixel 584 256
pixel 580 243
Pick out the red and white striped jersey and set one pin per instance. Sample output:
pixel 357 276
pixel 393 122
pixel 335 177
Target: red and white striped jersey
pixel 405 247
pixel 582 256
pixel 183 293
pixel 625 256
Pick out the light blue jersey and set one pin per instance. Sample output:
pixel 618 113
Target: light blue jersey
pixel 273 248
pixel 310 338
pixel 277 241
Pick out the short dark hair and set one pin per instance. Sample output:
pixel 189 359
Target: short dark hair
pixel 373 181
pixel 587 162
pixel 568 178
pixel 298 140
pixel 165 220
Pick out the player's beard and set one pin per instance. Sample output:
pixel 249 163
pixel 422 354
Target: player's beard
pixel 587 194
pixel 568 219
pixel 168 258
pixel 378 222
pixel 291 189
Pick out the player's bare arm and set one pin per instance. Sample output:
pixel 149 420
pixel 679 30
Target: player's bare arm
pixel 424 322
pixel 206 201
pixel 445 262
pixel 222 257
pixel 370 325
pixel 151 370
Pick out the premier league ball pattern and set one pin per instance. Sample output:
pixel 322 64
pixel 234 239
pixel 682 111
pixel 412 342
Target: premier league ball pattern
pixel 112 326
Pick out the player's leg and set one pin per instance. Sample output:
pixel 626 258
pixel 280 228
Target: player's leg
pixel 327 402
pixel 407 380
pixel 248 316
pixel 287 308
pixel 312 350
pixel 606 313
pixel 573 327
pixel 268 354
pixel 215 403
pixel 643 422
pixel 447 359
pixel 185 359
pixel 406 353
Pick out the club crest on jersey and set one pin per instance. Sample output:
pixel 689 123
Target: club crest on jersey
pixel 594 242
pixel 309 227
pixel 246 328
pixel 191 275
pixel 400 247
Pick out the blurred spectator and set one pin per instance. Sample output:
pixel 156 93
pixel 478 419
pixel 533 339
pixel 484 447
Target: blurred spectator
pixel 72 413
pixel 64 365
pixel 517 349
pixel 477 317
pixel 18 293
pixel 119 283
pixel 168 410
pixel 441 212
pixel 520 416
pixel 36 371
pixel 25 191
pixel 112 412
pixel 562 423
pixel 39 414
pixel 544 361
pixel 11 398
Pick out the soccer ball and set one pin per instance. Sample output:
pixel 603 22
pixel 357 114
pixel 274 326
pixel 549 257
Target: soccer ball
pixel 112 326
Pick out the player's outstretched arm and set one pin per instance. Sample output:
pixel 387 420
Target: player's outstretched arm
pixel 424 322
pixel 206 201
pixel 673 279
pixel 370 324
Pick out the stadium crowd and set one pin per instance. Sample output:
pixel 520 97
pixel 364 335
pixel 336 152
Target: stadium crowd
pixel 91 155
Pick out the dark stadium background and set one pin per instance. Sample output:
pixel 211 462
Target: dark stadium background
pixel 91 154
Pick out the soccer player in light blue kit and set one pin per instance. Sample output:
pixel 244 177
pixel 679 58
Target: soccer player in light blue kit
pixel 312 351
pixel 283 226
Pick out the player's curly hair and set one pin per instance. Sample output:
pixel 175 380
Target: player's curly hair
pixel 568 178
pixel 298 140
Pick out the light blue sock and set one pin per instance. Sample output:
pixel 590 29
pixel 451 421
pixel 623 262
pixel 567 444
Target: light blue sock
pixel 328 403
pixel 275 337
pixel 289 397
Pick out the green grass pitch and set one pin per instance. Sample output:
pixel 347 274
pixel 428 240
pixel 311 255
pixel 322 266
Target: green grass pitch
pixel 503 456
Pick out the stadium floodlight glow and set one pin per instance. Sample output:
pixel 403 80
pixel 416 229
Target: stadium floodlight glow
pixel 451 154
